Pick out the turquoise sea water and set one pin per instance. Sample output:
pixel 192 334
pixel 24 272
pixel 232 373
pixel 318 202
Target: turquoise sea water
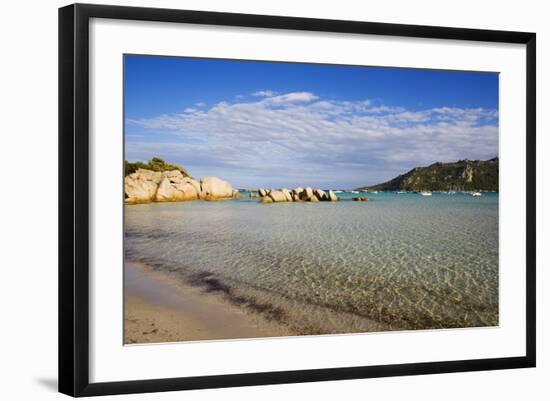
pixel 398 261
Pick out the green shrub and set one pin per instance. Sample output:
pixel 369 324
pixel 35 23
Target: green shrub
pixel 155 164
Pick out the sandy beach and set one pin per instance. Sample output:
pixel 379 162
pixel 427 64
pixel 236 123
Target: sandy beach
pixel 159 308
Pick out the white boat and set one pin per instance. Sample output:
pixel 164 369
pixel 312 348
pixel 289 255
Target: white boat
pixel 477 194
pixel 354 192
pixel 374 192
pixel 401 192
pixel 337 192
pixel 425 193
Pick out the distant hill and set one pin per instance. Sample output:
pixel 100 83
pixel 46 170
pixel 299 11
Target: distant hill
pixel 463 175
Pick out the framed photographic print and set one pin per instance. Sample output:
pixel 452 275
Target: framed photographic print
pixel 249 199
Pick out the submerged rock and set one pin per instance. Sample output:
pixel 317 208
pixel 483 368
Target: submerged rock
pixel 360 199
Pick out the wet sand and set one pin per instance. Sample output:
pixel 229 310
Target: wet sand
pixel 159 308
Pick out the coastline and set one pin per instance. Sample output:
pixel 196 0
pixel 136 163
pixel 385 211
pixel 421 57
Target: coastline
pixel 158 308
pixel 164 307
pixel 197 265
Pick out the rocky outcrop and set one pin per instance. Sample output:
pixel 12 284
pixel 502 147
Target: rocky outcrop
pixel 176 187
pixel 306 194
pixel 320 194
pixel 213 188
pixel 287 194
pixel 141 186
pixel 296 195
pixel 278 196
pixel 174 192
pixel 144 186
pixel 468 173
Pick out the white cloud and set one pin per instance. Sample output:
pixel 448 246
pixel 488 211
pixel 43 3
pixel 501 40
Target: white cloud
pixel 311 141
pixel 385 109
pixel 293 97
pixel 266 93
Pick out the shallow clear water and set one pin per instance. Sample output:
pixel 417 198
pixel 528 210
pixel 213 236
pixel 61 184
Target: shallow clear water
pixel 399 261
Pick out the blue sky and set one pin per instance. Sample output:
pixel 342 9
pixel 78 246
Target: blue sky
pixel 287 124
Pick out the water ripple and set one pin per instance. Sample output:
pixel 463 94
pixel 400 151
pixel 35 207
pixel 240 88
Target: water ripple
pixel 397 262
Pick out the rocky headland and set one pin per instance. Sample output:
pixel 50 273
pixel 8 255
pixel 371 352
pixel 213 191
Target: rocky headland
pixel 463 175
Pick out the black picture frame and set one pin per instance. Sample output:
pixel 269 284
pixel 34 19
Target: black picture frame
pixel 74 201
